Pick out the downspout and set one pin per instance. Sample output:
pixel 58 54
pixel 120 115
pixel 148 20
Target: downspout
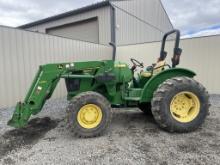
pixel 113 32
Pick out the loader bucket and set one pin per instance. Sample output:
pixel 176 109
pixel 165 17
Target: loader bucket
pixel 20 117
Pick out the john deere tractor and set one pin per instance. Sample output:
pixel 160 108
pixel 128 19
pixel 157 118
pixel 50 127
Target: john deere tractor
pixel 177 101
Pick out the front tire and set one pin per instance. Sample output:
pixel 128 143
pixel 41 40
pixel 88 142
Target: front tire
pixel 89 114
pixel 180 104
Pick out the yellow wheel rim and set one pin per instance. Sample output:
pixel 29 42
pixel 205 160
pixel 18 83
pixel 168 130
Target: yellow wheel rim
pixel 89 116
pixel 185 107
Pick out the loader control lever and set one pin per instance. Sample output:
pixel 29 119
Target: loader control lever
pixel 136 64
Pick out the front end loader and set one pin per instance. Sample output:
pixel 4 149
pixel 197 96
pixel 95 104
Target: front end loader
pixel 177 101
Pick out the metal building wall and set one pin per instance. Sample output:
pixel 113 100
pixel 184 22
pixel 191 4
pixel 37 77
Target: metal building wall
pixel 103 15
pixel 21 53
pixel 201 55
pixel 132 17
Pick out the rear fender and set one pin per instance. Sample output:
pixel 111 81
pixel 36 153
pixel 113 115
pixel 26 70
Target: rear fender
pixel 151 86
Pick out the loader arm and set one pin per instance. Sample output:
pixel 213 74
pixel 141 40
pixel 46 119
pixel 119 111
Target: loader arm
pixel 41 89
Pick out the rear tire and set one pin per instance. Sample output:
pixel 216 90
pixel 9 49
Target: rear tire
pixel 180 104
pixel 89 114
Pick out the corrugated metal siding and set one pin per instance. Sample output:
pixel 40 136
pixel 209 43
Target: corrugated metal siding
pixel 22 52
pixel 103 15
pixel 130 30
pixel 201 55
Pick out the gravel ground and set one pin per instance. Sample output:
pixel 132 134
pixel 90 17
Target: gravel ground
pixel 132 139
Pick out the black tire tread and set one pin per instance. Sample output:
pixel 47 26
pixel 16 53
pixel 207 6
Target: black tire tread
pixel 71 110
pixel 159 94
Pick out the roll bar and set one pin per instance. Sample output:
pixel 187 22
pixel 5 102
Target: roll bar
pixel 177 51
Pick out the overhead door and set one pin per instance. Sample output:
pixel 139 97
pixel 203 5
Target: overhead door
pixel 86 30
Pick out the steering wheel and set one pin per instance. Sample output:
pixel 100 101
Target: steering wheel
pixel 136 63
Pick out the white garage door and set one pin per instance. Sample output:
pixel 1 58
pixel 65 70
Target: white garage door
pixel 84 30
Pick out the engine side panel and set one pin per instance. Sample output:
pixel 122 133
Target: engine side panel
pixel 109 79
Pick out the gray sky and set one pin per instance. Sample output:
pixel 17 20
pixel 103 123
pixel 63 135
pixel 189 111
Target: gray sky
pixel 194 18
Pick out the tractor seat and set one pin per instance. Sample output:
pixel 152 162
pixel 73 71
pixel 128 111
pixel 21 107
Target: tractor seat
pixel 157 69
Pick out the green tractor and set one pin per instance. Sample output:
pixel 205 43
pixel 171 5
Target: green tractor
pixel 177 101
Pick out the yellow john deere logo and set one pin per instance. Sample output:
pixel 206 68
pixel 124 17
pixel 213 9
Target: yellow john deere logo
pixel 43 82
pixel 120 65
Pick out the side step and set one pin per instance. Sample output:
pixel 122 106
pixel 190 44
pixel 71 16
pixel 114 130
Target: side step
pixel 134 94
pixel 132 98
